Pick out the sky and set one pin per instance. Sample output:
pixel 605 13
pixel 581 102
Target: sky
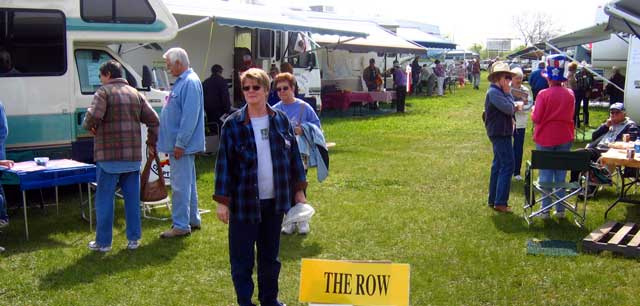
pixel 468 22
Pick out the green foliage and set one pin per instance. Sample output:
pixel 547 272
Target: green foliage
pixel 410 188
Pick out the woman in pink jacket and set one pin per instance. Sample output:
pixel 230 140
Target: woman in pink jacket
pixel 553 118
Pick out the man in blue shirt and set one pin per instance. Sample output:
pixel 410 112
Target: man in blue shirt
pixel 182 136
pixel 537 81
pixel 4 132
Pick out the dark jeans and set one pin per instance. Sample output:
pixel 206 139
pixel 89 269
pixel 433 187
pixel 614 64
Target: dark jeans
pixel 518 144
pixel 265 237
pixel 3 205
pixel 581 98
pixel 401 92
pixel 501 170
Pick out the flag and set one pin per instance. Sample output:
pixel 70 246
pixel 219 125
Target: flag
pixel 302 44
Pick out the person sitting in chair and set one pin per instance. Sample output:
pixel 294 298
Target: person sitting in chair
pixel 612 130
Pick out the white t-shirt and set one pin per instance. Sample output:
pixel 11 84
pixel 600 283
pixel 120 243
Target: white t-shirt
pixel 265 166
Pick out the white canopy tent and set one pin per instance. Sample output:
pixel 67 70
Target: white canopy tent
pixel 378 39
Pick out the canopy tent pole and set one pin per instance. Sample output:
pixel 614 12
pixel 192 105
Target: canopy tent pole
pixel 599 76
pixel 385 70
pixel 206 58
pixel 193 24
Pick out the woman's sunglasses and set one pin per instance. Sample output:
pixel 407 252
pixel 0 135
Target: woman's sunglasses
pixel 284 88
pixel 254 87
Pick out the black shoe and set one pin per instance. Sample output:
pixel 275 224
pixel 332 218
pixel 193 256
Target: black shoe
pixel 195 227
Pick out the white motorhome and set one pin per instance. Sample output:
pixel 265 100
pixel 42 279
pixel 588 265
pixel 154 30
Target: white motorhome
pixel 51 52
pixel 222 32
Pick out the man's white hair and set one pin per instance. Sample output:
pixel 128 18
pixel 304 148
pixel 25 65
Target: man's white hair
pixel 177 54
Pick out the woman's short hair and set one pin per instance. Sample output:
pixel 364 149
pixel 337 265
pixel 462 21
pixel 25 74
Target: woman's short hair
pixel 113 68
pixel 573 66
pixel 177 54
pixel 258 75
pixel 285 77
pixel 286 67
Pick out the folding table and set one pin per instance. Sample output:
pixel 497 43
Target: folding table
pixel 28 175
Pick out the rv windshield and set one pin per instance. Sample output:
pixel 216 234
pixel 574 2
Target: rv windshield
pixel 88 63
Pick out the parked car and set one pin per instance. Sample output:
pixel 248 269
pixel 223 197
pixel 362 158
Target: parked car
pixel 484 64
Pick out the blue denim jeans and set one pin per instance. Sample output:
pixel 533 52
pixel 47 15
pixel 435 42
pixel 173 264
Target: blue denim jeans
pixel 518 144
pixel 476 80
pixel 184 197
pixel 265 237
pixel 557 176
pixel 501 170
pixel 130 184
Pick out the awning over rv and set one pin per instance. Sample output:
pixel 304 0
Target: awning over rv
pixel 595 33
pixel 532 53
pixel 624 16
pixel 257 17
pixel 378 39
pixel 425 39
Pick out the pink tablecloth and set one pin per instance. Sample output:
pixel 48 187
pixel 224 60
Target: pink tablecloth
pixel 342 100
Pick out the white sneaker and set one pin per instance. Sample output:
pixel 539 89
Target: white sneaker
pixel 303 227
pixel 133 244
pixel 517 178
pixel 1 249
pixel 4 223
pixel 288 229
pixel 544 215
pixel 559 214
pixel 95 247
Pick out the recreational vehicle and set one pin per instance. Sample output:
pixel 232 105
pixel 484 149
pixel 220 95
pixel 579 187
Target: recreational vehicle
pixel 50 53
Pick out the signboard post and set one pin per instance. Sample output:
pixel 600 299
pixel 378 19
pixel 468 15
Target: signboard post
pixel 354 283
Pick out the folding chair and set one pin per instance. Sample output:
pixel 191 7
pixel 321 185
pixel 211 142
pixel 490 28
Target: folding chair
pixel 552 160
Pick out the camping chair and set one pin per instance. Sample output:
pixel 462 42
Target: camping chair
pixel 553 160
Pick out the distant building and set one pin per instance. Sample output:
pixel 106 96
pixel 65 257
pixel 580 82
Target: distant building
pixel 498 46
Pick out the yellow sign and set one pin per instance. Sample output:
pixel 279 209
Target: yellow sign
pixel 356 283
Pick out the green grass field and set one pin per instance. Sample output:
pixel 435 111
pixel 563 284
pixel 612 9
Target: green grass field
pixel 410 188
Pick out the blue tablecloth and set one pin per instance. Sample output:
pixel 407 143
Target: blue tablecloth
pixel 27 175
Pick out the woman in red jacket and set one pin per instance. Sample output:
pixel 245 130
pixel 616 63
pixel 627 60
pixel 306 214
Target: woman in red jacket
pixel 553 117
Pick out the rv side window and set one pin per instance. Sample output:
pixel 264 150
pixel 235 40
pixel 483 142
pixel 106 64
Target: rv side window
pixel 88 63
pixel 265 43
pixel 32 43
pixel 117 11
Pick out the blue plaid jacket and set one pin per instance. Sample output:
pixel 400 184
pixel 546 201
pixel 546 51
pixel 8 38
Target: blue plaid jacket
pixel 237 166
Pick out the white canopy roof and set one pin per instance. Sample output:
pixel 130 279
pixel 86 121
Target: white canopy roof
pixel 378 39
pixel 624 16
pixel 425 39
pixel 254 16
pixel 595 33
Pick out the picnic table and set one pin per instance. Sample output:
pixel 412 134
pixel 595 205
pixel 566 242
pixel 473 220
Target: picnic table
pixel 342 100
pixel 29 175
pixel 616 156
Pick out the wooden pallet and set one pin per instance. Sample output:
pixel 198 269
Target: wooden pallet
pixel 615 237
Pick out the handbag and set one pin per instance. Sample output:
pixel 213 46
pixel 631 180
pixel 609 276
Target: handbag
pixel 152 191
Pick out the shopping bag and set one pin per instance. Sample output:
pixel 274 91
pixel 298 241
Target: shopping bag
pixel 152 191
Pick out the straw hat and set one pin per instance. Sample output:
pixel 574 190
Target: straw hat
pixel 497 69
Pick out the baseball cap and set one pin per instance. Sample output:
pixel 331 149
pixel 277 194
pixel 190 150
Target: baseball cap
pixel 617 106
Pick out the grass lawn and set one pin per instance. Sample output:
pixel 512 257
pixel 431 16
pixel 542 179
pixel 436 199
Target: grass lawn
pixel 411 188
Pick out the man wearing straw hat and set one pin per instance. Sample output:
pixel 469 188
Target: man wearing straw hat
pixel 499 108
